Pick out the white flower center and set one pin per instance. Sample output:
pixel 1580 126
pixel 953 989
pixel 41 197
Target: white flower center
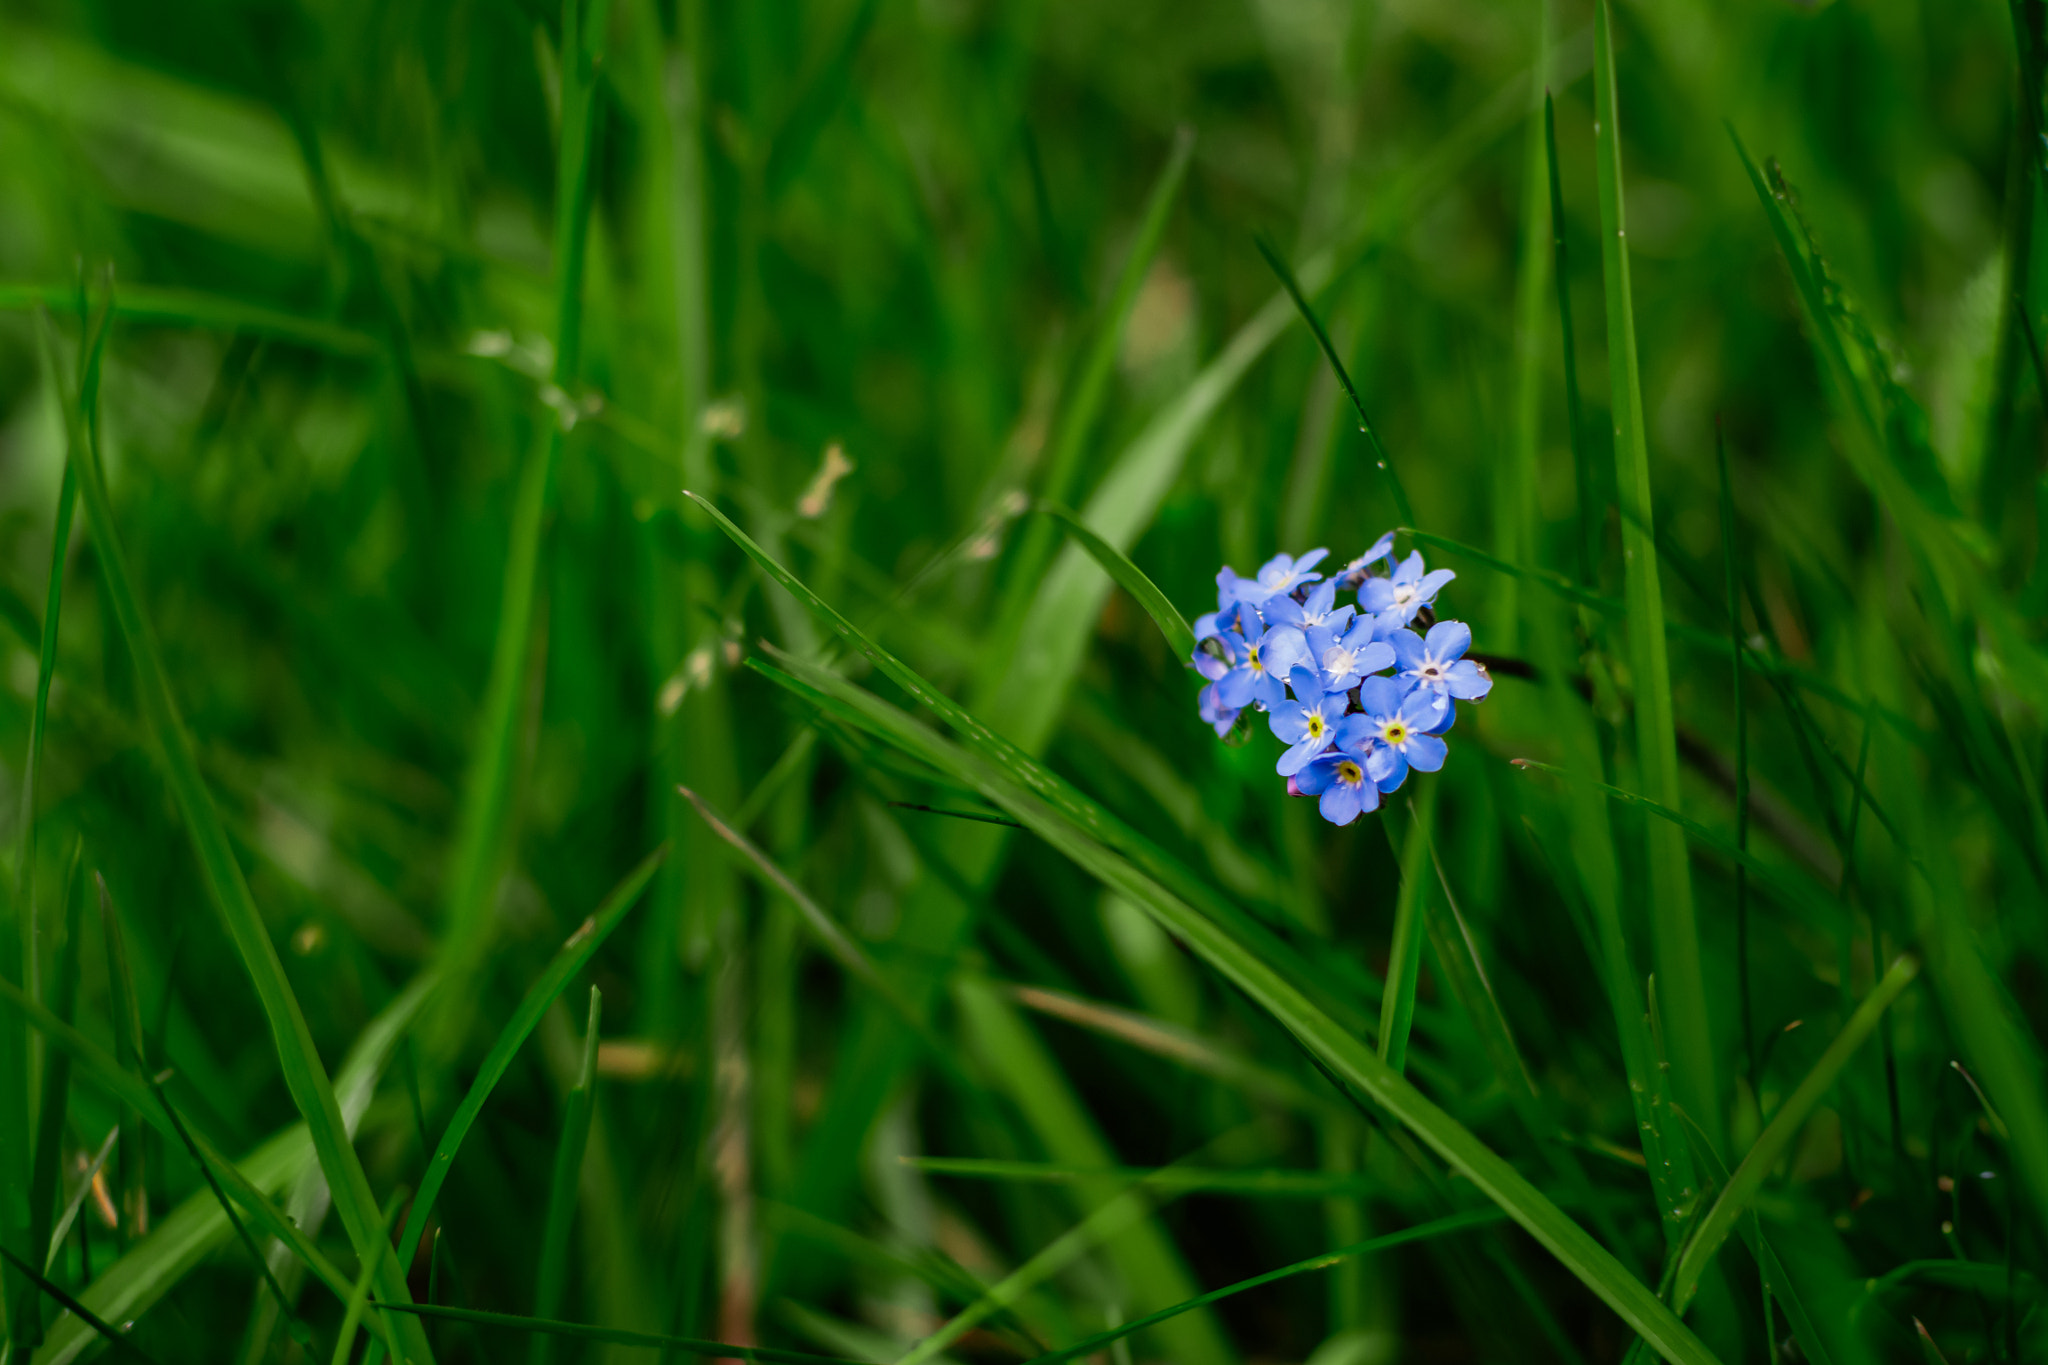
pixel 1403 594
pixel 1338 661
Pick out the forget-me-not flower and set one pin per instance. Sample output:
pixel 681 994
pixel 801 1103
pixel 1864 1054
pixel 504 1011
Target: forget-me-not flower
pixel 1278 576
pixel 1259 666
pixel 1347 657
pixel 1437 661
pixel 1354 572
pixel 1345 790
pixel 1308 723
pixel 1396 722
pixel 1409 590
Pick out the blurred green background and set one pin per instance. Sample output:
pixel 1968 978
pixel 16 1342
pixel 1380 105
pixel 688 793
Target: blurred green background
pixel 398 332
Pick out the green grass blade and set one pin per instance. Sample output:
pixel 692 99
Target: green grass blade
pixel 123 1291
pixel 52 1108
pixel 552 1279
pixel 1735 652
pixel 1674 935
pixel 78 1197
pixel 304 1074
pixel 125 1004
pixel 1378 452
pixel 578 1331
pixel 1335 1046
pixel 484 822
pixel 1588 539
pixel 1421 1232
pixel 1263 1184
pixel 1404 955
pixel 108 1333
pixel 567 962
pixel 1515 525
pixel 1117 1217
pixel 187 308
pixel 358 1297
pixel 1082 409
pixel 1748 1178
pixel 1179 638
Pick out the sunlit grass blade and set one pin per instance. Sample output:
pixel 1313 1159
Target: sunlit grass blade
pixel 1421 1232
pixel 578 1331
pixel 1674 934
pixel 86 1176
pixel 486 816
pixel 304 1074
pixel 1333 1045
pixel 1081 410
pixel 567 962
pixel 1194 1179
pixel 1748 1177
pixel 1374 450
pixel 1404 954
pixel 1179 638
pixel 552 1278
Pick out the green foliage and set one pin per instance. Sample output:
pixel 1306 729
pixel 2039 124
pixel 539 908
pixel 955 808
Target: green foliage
pixel 977 1004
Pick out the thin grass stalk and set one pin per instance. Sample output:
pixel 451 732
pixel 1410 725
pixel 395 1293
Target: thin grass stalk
pixel 1404 952
pixel 1735 651
pixel 552 1278
pixel 46 1169
pixel 1587 542
pixel 304 1074
pixel 1674 931
pixel 486 814
pixel 1514 504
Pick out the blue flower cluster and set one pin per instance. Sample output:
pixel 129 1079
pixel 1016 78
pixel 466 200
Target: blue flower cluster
pixel 1279 643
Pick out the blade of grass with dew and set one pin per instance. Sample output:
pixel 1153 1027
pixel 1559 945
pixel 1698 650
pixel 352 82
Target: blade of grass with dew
pixel 567 962
pixel 485 815
pixel 1404 955
pixel 102 1330
pixel 1749 1176
pixel 1145 1257
pixel 304 1074
pixel 1335 1046
pixel 1374 450
pixel 133 1094
pixel 1421 1232
pixel 1082 409
pixel 1179 638
pixel 1275 1184
pixel 192 1232
pixel 1015 760
pixel 54 1104
pixel 552 1278
pixel 1674 931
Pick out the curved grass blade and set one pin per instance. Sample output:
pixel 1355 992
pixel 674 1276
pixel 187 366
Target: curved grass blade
pixel 299 1060
pixel 568 961
pixel 1372 437
pixel 1748 1178
pixel 1179 638
pixel 1329 1042
pixel 554 1245
pixel 1674 936
pixel 615 1336
pixel 119 1341
pixel 1421 1232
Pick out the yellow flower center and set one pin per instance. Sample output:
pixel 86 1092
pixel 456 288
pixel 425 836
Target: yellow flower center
pixel 1394 732
pixel 1349 773
pixel 1315 725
